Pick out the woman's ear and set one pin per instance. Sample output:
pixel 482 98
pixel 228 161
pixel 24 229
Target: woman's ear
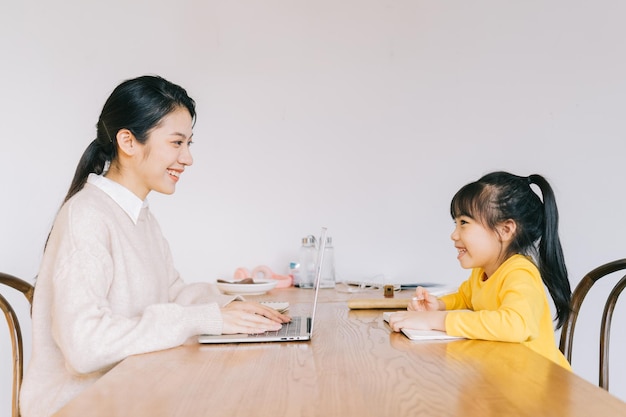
pixel 126 142
pixel 507 230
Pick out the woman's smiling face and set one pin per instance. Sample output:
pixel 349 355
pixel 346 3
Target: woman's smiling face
pixel 160 163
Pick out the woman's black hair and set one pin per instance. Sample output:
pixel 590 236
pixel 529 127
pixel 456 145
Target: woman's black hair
pixel 139 105
pixel 501 196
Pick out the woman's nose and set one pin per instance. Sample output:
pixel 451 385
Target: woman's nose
pixel 185 157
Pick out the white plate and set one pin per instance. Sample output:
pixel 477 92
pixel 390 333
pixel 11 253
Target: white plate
pixel 260 286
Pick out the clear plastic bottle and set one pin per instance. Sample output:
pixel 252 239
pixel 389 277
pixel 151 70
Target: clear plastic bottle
pixel 294 271
pixel 307 258
pixel 327 279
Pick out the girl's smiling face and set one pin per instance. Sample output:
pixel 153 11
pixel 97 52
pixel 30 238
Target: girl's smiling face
pixel 159 164
pixel 477 246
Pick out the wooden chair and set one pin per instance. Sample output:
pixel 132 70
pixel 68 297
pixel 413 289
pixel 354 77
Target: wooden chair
pixel 583 287
pixel 15 333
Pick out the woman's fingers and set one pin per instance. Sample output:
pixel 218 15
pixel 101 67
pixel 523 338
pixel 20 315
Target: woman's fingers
pixel 239 321
pixel 250 317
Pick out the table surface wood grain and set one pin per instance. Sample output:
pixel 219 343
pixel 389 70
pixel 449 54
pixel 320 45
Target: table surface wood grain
pixel 354 366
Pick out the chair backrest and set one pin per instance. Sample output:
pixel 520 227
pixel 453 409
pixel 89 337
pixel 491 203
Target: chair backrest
pixel 583 287
pixel 15 333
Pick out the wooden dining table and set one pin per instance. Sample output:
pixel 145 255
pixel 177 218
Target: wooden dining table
pixel 355 365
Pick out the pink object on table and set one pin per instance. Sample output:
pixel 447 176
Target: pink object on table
pixel 241 273
pixel 263 272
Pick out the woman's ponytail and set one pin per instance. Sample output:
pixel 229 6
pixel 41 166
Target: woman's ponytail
pixel 94 160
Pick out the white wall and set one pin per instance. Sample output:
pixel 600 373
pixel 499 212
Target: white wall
pixel 362 115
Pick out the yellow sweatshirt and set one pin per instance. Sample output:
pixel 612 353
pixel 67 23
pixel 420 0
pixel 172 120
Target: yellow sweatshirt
pixel 510 306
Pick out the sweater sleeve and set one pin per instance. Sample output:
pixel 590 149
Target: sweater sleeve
pixel 109 291
pixel 200 293
pixel 513 316
pixel 92 337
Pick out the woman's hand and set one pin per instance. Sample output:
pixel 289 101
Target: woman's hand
pixel 423 301
pixel 250 317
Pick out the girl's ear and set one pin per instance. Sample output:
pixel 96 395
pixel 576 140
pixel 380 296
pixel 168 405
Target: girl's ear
pixel 126 142
pixel 507 229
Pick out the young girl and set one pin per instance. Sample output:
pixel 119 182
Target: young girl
pixel 501 226
pixel 107 287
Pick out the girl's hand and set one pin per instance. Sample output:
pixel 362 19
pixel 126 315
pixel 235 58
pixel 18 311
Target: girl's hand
pixel 418 320
pixel 423 301
pixel 249 317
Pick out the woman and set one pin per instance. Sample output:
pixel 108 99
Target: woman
pixel 107 287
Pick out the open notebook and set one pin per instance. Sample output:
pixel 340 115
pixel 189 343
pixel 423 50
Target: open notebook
pixel 422 334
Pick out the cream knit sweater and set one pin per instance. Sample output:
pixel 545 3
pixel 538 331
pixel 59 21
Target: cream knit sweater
pixel 107 289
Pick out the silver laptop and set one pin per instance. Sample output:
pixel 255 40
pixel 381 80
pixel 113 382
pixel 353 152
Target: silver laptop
pixel 300 327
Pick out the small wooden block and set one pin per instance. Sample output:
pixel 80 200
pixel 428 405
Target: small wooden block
pixel 388 291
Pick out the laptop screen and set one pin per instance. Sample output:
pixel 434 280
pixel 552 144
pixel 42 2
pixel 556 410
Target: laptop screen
pixel 318 274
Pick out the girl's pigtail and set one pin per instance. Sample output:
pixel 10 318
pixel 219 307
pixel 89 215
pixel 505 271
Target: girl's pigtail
pixel 551 260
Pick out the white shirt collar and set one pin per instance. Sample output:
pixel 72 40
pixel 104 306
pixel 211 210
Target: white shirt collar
pixel 125 198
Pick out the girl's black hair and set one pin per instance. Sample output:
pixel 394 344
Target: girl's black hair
pixel 139 105
pixel 501 196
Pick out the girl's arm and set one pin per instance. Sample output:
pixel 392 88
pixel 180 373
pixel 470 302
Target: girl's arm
pixel 418 320
pixel 512 314
pixel 427 312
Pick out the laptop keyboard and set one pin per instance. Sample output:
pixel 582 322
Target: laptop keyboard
pixel 289 329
